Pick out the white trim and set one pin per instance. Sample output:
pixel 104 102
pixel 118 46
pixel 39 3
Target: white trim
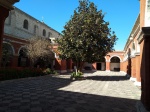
pixel 132 79
pixel 105 59
pixel 132 56
pixel 5 34
pixel 123 72
pixel 137 83
pixel 147 14
pixel 107 70
pixel 20 49
pixel 13 50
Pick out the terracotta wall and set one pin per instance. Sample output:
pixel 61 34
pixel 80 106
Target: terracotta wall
pixel 133 67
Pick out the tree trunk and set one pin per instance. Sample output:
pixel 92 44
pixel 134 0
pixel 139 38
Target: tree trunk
pixel 81 65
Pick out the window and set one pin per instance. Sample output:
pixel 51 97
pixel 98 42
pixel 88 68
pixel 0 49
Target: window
pixel 133 46
pixel 49 34
pixel 35 27
pixel 44 32
pixel 25 24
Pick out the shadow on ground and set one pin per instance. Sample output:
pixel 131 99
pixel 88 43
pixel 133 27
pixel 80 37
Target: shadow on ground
pixel 42 94
pixel 107 78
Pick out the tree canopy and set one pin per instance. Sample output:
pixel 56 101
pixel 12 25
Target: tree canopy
pixel 7 54
pixel 86 36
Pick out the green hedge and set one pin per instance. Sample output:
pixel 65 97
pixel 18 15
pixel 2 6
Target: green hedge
pixel 15 73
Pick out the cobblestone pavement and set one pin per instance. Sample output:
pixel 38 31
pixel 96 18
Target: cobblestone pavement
pixel 100 92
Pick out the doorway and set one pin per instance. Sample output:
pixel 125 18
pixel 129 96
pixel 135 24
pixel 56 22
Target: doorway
pixel 99 66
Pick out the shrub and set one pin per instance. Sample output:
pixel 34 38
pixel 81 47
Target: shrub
pixel 15 73
pixel 74 75
pixel 50 71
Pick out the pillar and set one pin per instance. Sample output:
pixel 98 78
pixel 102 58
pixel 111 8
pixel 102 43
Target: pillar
pixel 133 69
pixel 60 65
pixel 138 77
pixel 3 15
pixel 108 66
pixel 94 66
pixel 121 66
pixel 5 7
pixel 145 69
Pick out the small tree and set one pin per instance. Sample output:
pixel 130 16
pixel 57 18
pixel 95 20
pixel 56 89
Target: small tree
pixel 40 50
pixel 6 54
pixel 86 36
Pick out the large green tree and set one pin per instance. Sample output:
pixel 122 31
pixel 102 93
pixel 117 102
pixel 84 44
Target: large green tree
pixel 86 36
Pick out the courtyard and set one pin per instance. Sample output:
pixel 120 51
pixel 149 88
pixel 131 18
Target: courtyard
pixel 100 92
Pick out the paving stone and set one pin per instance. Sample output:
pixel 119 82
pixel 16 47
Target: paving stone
pixel 100 92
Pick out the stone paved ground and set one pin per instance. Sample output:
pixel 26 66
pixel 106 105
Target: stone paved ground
pixel 100 92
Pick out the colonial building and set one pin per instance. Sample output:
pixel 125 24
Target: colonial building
pixel 133 60
pixel 18 28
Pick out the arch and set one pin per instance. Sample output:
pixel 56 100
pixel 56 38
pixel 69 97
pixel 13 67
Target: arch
pixel 115 56
pixel 22 57
pixel 44 32
pixel 105 59
pixel 25 24
pixel 115 63
pixel 115 60
pixel 7 54
pixel 22 47
pixel 13 50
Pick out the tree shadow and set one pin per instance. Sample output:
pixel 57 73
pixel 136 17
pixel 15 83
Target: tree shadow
pixel 88 71
pixel 45 93
pixel 107 78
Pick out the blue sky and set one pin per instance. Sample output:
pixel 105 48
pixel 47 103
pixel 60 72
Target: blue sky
pixel 121 14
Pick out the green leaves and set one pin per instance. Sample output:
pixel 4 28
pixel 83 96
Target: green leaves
pixel 86 36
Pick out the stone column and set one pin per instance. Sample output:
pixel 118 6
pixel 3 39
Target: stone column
pixel 145 69
pixel 145 98
pixel 138 77
pixel 3 15
pixel 5 7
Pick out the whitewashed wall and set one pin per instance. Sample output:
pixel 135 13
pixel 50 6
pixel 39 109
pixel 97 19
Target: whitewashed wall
pixel 14 26
pixel 114 65
pixel 103 66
